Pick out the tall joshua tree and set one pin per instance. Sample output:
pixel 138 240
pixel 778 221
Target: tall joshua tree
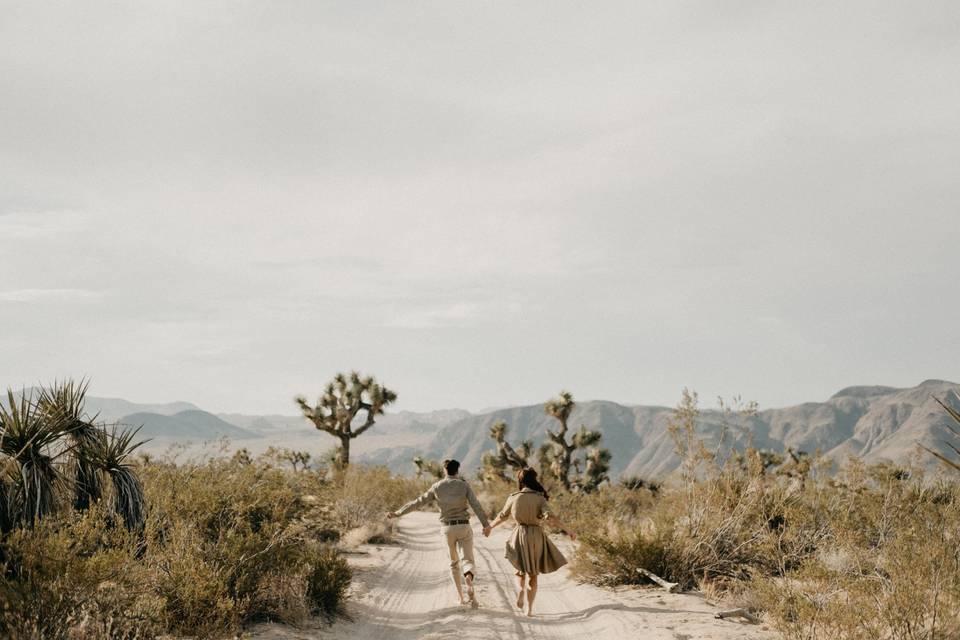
pixel 343 399
pixel 557 455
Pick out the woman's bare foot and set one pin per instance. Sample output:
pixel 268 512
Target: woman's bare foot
pixel 520 599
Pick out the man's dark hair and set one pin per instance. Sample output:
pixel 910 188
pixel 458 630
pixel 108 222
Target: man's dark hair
pixel 452 467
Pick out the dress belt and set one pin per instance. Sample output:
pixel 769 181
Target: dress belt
pixel 450 523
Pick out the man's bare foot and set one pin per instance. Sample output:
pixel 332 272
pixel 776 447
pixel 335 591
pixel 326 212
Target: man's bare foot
pixel 470 592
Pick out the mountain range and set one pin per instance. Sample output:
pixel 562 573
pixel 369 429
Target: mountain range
pixel 872 422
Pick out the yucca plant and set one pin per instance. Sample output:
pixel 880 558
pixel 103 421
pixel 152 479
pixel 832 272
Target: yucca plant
pixel 109 452
pixel 29 439
pixel 6 514
pixel 953 464
pixel 64 401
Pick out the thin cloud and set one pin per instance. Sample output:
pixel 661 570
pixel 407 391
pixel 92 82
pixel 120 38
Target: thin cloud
pixel 49 295
pixel 457 315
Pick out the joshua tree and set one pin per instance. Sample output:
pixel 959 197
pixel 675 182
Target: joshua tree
pixel 345 397
pixel 557 455
pixel 495 464
pixel 516 458
pixel 431 468
pixel 596 466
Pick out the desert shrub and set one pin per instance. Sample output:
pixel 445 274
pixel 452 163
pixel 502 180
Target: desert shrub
pixel 360 497
pixel 871 553
pixel 891 568
pixel 233 542
pixel 225 542
pixel 74 576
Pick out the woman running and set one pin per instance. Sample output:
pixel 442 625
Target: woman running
pixel 529 549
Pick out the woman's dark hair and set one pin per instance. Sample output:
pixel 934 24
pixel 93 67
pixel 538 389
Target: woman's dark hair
pixel 528 478
pixel 452 467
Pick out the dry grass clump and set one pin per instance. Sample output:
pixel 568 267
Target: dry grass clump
pixel 870 553
pixel 233 542
pixel 360 498
pixel 890 567
pixel 75 577
pixel 711 533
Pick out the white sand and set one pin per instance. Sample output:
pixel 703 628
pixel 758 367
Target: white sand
pixel 404 592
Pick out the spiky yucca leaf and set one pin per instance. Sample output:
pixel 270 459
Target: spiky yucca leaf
pixel 65 401
pixel 28 439
pixel 953 413
pixel 109 451
pixel 6 495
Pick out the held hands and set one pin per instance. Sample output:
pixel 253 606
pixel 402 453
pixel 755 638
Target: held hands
pixel 391 515
pixel 486 532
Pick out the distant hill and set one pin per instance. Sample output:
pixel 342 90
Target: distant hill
pixel 403 421
pixel 875 423
pixel 113 409
pixel 188 425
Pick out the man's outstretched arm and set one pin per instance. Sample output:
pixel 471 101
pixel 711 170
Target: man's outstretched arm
pixel 478 509
pixel 416 503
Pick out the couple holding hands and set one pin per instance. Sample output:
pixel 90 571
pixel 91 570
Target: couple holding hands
pixel 528 548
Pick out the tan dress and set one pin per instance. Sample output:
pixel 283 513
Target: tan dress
pixel 529 549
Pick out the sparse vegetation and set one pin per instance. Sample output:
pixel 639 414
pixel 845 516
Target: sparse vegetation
pixel 871 552
pixel 98 544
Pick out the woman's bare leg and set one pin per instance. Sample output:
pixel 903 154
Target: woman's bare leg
pixel 521 579
pixel 531 594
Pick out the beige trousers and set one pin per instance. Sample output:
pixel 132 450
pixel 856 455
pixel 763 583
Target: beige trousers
pixel 460 544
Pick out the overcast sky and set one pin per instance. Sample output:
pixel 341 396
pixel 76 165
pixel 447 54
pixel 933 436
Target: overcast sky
pixel 480 203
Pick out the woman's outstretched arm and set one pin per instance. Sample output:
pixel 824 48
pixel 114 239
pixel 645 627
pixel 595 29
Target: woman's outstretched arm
pixel 555 522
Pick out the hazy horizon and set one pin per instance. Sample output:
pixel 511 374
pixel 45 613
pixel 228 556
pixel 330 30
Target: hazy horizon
pixel 480 204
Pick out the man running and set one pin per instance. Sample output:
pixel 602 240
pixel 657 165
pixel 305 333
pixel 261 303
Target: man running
pixel 453 494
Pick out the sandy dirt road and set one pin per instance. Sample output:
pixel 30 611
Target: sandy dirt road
pixel 404 592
